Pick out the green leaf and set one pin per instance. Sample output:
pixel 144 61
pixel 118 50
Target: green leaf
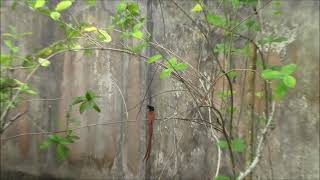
pixel 238 145
pixel 289 81
pixel 24 87
pixel 55 15
pixel 196 8
pixel 271 74
pixel 232 74
pixel 5 60
pixel 216 20
pixel 90 29
pixel 44 62
pixel 90 95
pixel 222 144
pixel 121 6
pixel 87 105
pixel 62 151
pixel 137 27
pixel 78 100
pixel 154 58
pixel 84 106
pixel 280 90
pixel 45 144
pixel 221 178
pixel 171 62
pixel 11 46
pixel 252 24
pixel 133 7
pixel 138 48
pixel 235 4
pixel 288 69
pixel 137 34
pixel 104 36
pixel 259 94
pixel 165 73
pixel 181 66
pixel 54 138
pixel 96 107
pixel 39 4
pixel 219 48
pixel 63 5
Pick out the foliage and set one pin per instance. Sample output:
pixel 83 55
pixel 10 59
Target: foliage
pixel 60 142
pixel 128 22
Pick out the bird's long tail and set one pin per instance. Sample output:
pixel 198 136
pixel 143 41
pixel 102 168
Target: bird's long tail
pixel 151 118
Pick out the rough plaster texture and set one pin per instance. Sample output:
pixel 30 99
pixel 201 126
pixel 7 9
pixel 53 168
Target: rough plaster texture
pixel 180 150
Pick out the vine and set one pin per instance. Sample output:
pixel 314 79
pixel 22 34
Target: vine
pixel 129 23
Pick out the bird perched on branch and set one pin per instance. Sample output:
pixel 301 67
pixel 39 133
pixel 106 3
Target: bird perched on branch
pixel 150 118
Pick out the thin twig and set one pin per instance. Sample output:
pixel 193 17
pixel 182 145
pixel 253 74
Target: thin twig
pixel 261 140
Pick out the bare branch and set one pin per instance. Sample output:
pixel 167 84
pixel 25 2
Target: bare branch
pixel 261 140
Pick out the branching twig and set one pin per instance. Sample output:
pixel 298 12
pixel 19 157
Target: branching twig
pixel 261 140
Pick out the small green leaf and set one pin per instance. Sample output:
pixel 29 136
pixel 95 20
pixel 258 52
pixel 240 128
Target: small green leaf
pixel 90 29
pixel 235 4
pixel 45 144
pixel 138 48
pixel 104 36
pixel 137 27
pixel 133 7
pixel 232 74
pixel 121 6
pixel 154 58
pixel 165 73
pixel 289 81
pixel 63 5
pixel 11 46
pixel 78 100
pixel 44 62
pixel 55 15
pixel 219 48
pixel 252 24
pixel 171 62
pixel 90 95
pixel 221 178
pixel 137 34
pixel 62 151
pixel 271 74
pixel 181 66
pixel 280 90
pixel 216 20
pixel 96 107
pixel 288 69
pixel 39 4
pixel 196 8
pixel 5 60
pixel 84 106
pixel 259 94
pixel 238 145
pixel 222 144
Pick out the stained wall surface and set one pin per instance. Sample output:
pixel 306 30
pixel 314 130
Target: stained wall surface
pixel 181 150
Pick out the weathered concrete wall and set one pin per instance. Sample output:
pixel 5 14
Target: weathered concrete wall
pixel 180 149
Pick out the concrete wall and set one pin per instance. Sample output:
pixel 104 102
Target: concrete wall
pixel 181 150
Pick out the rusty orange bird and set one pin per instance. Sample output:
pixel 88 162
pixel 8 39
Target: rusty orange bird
pixel 150 117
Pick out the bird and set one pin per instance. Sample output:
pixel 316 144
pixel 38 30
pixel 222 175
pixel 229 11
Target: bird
pixel 150 120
